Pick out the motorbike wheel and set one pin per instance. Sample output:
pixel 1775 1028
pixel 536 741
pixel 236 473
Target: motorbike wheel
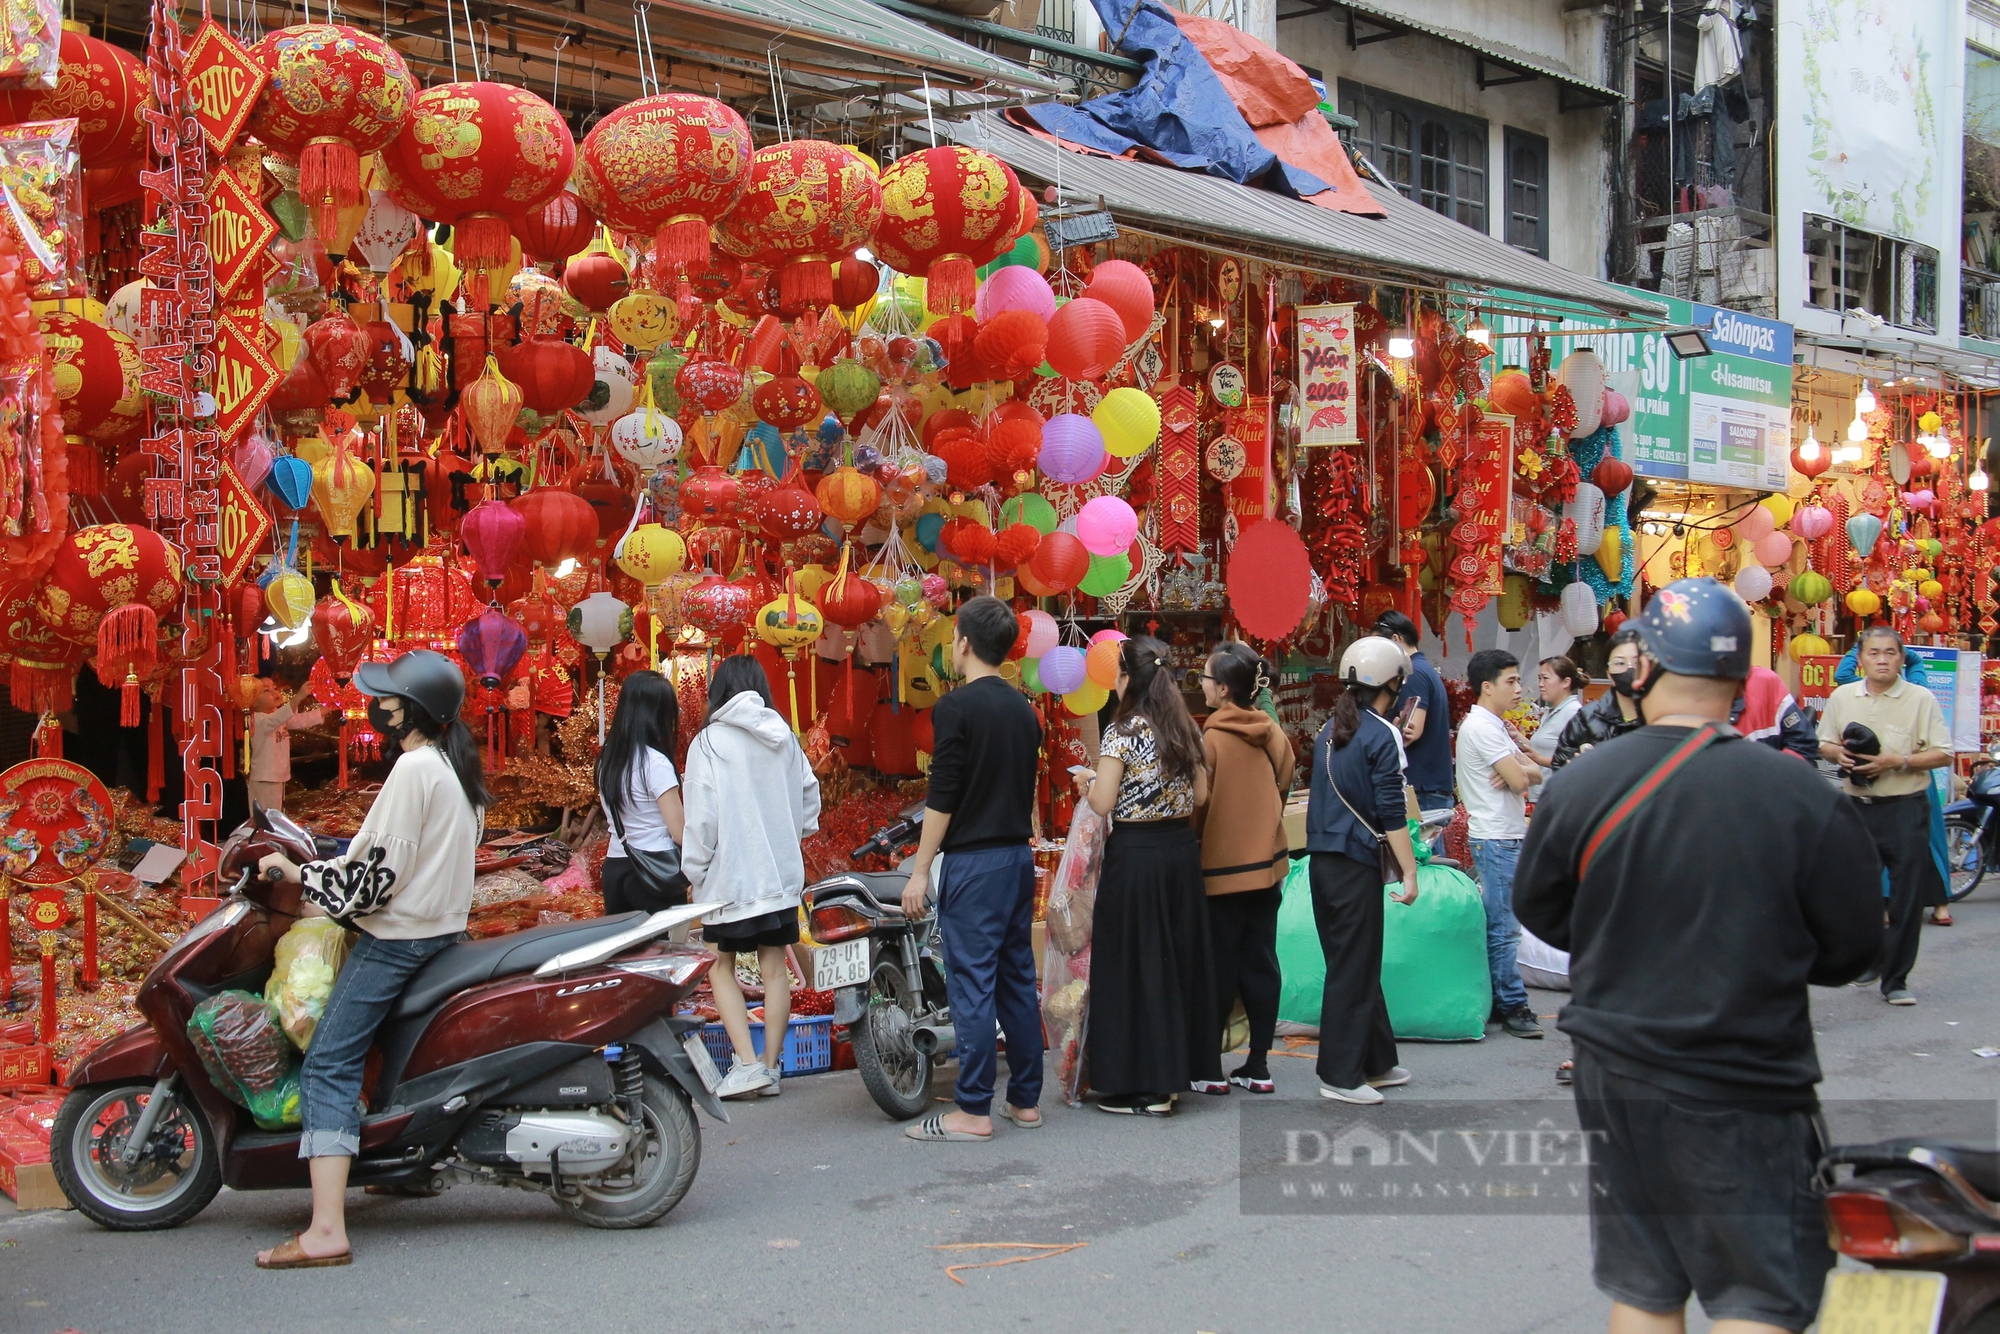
pixel 176 1176
pixel 897 1077
pixel 667 1161
pixel 1964 856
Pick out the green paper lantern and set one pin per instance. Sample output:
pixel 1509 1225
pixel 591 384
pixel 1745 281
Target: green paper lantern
pixel 1031 677
pixel 848 388
pixel 1030 509
pixel 290 212
pixel 1107 574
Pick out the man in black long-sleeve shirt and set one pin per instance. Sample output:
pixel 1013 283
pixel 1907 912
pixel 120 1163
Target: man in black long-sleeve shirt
pixel 1732 883
pixel 979 815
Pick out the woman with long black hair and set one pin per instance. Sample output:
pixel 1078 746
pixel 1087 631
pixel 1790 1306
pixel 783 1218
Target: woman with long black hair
pixel 641 795
pixel 1152 991
pixel 1356 806
pixel 405 884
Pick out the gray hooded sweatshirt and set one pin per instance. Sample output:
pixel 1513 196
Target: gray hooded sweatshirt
pixel 750 798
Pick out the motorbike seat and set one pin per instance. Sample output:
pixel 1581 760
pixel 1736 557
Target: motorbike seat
pixel 1979 1167
pixel 473 962
pixel 886 887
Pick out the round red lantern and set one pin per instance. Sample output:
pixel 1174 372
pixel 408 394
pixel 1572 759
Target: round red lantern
pixel 334 94
pixel 597 278
pixel 788 510
pixel 710 493
pixel 339 351
pixel 41 665
pixel 944 419
pixel 343 629
pixel 88 376
pixel 669 164
pixel 718 548
pixel 945 211
pixel 551 374
pixel 104 88
pixel 105 567
pixel 1016 544
pixel 1061 561
pixel 787 402
pixel 709 383
pixel 849 495
pixel 477 154
pixel 1086 338
pixel 1611 476
pixel 805 203
pixel 558 229
pixel 855 282
pixel 561 526
pixel 965 461
pixel 718 608
pixel 848 599
pixel 390 356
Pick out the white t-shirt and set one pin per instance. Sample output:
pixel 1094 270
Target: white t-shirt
pixel 1491 812
pixel 645 829
pixel 1545 738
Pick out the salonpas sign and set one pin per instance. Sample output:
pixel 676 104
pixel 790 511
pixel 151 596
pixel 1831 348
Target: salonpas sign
pixel 1723 419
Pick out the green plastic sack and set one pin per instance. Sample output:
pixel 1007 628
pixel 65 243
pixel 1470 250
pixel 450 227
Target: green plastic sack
pixel 277 1108
pixel 248 1057
pixel 1433 957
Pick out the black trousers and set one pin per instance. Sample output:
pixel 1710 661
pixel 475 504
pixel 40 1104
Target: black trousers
pixel 1243 941
pixel 1901 828
pixel 1354 1036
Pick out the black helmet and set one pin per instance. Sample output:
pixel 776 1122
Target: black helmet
pixel 429 681
pixel 1698 627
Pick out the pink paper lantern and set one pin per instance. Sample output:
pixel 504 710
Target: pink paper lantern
pixel 1106 526
pixel 493 531
pixel 1043 633
pixel 1754 525
pixel 1016 287
pixel 1072 448
pixel 1113 636
pixel 1616 409
pixel 1812 522
pixel 1773 548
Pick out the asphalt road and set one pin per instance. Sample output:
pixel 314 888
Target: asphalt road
pixel 811 1213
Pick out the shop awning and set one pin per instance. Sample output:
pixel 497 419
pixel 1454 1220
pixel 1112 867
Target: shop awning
pixel 1498 62
pixel 1407 243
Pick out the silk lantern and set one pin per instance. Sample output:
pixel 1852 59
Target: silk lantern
pixel 1123 286
pixel 552 375
pixel 1129 421
pixel 342 629
pixel 558 525
pixel 104 567
pixel 342 485
pixel 493 533
pixel 1807 645
pixel 1579 608
pixel 490 405
pixel 1864 602
pixel 1515 605
pixel 600 623
pixel 1753 583
pixel 104 88
pixel 477 154
pixel 652 553
pixel 289 596
pixel 334 95
pixel 1611 475
pixel 1106 526
pixel 491 644
pixel 1586 511
pixel 670 165
pixel 558 229
pixel 646 437
pixel 805 202
pixel 945 211
pixel 1812 521
pixel 1610 553
pixel 1086 338
pixel 1810 588
pixel 1072 449
pixel 86 370
pixel 849 495
pixel 1862 532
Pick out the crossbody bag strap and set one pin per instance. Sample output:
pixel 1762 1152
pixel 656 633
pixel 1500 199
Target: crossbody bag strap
pixel 1691 745
pixel 1380 835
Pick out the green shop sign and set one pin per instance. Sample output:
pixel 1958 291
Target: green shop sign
pixel 1723 419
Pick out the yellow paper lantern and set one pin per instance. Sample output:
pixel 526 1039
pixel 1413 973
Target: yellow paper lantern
pixel 432 270
pixel 1864 602
pixel 1513 608
pixel 811 579
pixel 1781 508
pixel 290 598
pixel 1611 552
pixel 313 449
pixel 342 485
pixel 1807 645
pixel 291 342
pixel 651 553
pixel 1931 588
pixel 644 319
pixel 1129 421
pixel 1086 699
pixel 789 623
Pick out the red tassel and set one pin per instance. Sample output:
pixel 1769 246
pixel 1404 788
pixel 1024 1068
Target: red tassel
pixel 156 755
pixel 128 701
pixel 48 738
pixel 682 241
pixel 40 687
pixel 86 468
pixel 686 303
pixel 805 284
pixel 482 241
pixel 329 181
pixel 127 640
pixel 950 283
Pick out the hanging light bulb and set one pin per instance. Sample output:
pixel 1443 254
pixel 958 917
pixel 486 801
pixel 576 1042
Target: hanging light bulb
pixel 1477 330
pixel 1402 345
pixel 1939 445
pixel 1865 400
pixel 1809 448
pixel 1979 481
pixel 567 568
pixel 1857 430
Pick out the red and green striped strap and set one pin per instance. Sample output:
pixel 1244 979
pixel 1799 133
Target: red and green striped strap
pixel 1694 742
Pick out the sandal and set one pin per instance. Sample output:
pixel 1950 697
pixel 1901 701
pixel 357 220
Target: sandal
pixel 1566 1072
pixel 931 1130
pixel 1942 917
pixel 289 1254
pixel 1009 1112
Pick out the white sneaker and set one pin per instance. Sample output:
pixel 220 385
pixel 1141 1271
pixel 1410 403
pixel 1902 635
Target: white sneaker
pixel 1394 1077
pixel 743 1080
pixel 776 1086
pixel 1363 1095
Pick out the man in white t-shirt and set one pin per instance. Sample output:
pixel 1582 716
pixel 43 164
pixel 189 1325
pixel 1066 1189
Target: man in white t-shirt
pixel 1495 771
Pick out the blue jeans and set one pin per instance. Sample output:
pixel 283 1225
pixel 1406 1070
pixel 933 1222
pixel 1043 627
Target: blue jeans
pixel 1494 860
pixel 986 914
pixel 369 985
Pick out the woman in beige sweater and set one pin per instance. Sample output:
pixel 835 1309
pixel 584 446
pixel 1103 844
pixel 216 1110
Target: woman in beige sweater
pixel 1243 854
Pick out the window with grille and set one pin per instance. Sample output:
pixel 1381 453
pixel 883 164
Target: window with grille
pixel 1528 191
pixel 1433 156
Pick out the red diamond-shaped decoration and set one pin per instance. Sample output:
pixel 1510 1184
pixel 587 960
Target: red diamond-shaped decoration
pixel 226 82
pixel 245 526
pixel 238 231
pixel 245 376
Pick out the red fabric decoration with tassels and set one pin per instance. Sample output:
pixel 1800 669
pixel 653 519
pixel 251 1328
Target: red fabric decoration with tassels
pixel 127 644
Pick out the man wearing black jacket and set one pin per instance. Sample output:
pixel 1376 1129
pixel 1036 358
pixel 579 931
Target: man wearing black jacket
pixel 1698 900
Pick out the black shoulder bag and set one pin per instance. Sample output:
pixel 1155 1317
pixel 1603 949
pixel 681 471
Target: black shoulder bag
pixel 661 882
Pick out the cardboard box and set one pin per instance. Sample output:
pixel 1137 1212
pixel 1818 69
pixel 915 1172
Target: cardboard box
pixel 32 1185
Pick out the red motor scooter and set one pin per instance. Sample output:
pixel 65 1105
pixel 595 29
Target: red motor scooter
pixel 550 1060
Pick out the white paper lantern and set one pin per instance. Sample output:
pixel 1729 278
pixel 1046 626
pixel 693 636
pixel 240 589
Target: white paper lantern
pixel 616 374
pixel 1587 512
pixel 1579 608
pixel 600 622
pixel 646 438
pixel 121 312
pixel 386 231
pixel 1753 583
pixel 1582 373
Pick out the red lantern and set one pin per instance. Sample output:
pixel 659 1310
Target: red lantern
pixel 607 482
pixel 1014 441
pixel 343 629
pixel 710 494
pixel 335 94
pixel 551 374
pixel 787 402
pixel 1124 286
pixel 1013 344
pixel 965 461
pixel 788 510
pixel 670 164
pixel 945 211
pixel 1611 476
pixel 41 665
pixel 390 355
pixel 849 600
pixel 849 495
pixel 710 384
pixel 105 88
pixel 597 278
pixel 1814 466
pixel 719 608
pixel 339 350
pixel 558 229
pixel 713 278
pixel 476 154
pixel 491 644
pixel 538 615
pixel 102 569
pixel 1061 561
pixel 855 282
pixel 717 548
pixel 88 376
pixel 1016 545
pixel 806 201
pixel 1086 338
pixel 493 533
pixel 560 526
pixel 973 543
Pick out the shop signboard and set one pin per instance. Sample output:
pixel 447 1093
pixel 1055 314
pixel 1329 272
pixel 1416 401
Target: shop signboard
pixel 1722 420
pixel 1953 677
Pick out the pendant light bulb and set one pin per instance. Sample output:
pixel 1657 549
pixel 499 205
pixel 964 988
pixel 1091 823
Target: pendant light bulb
pixel 1865 400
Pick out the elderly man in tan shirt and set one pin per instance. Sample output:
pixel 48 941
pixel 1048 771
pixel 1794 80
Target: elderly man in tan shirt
pixel 1893 802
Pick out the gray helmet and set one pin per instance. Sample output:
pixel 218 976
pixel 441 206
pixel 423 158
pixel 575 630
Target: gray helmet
pixel 431 682
pixel 1698 627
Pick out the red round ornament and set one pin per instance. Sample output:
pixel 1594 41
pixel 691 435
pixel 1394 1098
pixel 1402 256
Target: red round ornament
pixel 1060 562
pixel 945 211
pixel 561 526
pixel 89 379
pixel 709 383
pixel 668 165
pixel 558 229
pixel 710 494
pixel 787 402
pixel 1270 579
pixel 1086 338
pixel 597 278
pixel 105 89
pixel 551 374
pixel 103 568
pixel 806 202
pixel 334 94
pixel 478 154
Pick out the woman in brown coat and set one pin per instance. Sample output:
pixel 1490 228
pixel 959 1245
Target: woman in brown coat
pixel 1243 855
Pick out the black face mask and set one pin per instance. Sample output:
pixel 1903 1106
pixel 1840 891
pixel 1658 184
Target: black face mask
pixel 378 718
pixel 1625 682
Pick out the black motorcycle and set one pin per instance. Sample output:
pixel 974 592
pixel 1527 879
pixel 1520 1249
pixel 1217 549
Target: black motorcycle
pixel 1927 1214
pixel 1972 832
pixel 886 972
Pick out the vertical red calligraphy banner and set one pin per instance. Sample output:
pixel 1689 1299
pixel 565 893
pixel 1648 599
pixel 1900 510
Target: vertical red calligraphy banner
pixel 1180 471
pixel 1250 492
pixel 1326 376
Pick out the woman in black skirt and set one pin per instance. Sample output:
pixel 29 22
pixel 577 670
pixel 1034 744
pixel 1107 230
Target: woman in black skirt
pixel 1357 794
pixel 1151 1031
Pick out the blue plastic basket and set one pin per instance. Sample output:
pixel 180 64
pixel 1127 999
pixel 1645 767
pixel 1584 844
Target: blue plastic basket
pixel 808 1044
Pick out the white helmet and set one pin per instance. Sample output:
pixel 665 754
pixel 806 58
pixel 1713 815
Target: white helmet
pixel 1373 661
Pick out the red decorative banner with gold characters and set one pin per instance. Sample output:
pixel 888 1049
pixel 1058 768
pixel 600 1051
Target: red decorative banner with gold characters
pixel 1483 491
pixel 1180 471
pixel 1249 493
